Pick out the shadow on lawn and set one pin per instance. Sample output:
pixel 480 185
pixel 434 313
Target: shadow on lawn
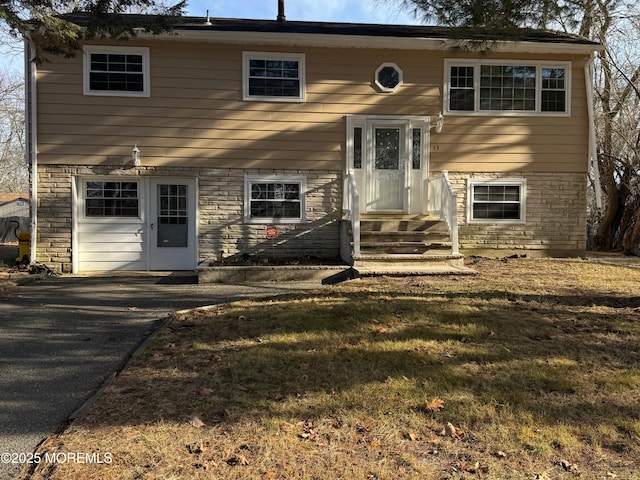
pixel 556 357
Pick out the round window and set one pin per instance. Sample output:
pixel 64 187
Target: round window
pixel 388 77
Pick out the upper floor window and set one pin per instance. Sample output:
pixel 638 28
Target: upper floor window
pixel 273 76
pixel 489 87
pixel 388 77
pixel 117 71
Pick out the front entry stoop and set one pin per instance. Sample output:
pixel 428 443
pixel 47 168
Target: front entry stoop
pixel 401 244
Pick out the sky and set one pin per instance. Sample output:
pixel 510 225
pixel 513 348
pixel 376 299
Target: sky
pixel 357 11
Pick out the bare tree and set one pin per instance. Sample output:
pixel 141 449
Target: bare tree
pixel 617 109
pixel 14 173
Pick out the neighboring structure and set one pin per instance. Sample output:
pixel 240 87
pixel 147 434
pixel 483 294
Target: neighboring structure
pixel 370 142
pixel 14 205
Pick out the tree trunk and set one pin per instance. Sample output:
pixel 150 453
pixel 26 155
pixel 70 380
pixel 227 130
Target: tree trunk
pixel 632 238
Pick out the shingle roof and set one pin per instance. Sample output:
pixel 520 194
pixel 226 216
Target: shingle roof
pixel 351 29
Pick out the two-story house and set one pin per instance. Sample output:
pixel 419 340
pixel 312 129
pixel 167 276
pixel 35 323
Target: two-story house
pixel 237 138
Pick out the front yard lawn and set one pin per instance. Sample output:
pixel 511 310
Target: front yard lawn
pixel 530 369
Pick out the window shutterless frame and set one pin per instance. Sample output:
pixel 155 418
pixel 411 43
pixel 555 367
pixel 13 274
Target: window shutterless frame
pixel 116 71
pixel 111 200
pixel 491 200
pixel 476 87
pixel 273 76
pixel 274 199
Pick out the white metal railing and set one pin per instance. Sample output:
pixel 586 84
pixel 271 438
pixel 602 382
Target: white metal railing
pixel 351 210
pixel 443 201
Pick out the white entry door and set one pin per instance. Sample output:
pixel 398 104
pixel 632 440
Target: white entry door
pixel 387 167
pixel 172 224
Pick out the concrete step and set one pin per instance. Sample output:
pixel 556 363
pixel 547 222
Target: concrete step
pixel 401 223
pixel 416 248
pixel 411 236
pixel 401 265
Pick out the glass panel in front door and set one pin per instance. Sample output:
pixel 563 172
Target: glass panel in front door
pixel 387 182
pixel 173 217
pixel 387 149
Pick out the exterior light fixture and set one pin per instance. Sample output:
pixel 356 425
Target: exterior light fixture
pixel 135 156
pixel 439 122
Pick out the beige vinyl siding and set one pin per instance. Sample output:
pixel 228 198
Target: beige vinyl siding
pixel 195 115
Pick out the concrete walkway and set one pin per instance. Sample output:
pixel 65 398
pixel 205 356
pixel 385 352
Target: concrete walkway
pixel 62 337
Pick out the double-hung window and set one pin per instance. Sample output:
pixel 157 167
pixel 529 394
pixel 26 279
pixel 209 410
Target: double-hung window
pixel 505 86
pixel 276 77
pixel 274 199
pixel 496 201
pixel 116 71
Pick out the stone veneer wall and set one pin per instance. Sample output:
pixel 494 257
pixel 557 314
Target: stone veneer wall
pixel 556 208
pixel 220 204
pixel 223 234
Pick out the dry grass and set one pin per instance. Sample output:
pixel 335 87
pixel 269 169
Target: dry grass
pixel 533 364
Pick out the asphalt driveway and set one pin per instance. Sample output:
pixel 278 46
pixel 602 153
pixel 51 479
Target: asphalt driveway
pixel 61 338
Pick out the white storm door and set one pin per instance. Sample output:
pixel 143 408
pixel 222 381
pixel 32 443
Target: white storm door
pixel 387 167
pixel 172 224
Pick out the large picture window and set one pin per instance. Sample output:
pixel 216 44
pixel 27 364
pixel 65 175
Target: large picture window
pixel 499 200
pixel 491 87
pixel 274 199
pixel 112 199
pixel 273 76
pixel 121 71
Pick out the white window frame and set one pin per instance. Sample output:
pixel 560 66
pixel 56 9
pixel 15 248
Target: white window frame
pixel 400 77
pixel 452 62
pixel 249 180
pixel 82 198
pixel 279 56
pixel 88 50
pixel 497 182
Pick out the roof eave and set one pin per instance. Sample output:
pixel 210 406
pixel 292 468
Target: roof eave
pixel 377 42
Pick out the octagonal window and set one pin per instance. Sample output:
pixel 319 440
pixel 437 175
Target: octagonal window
pixel 388 77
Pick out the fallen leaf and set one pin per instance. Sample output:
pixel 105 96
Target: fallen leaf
pixel 435 405
pixel 380 330
pixel 471 467
pixel 132 309
pixel 197 448
pixel 269 475
pixel 569 467
pixel 205 392
pixel 238 460
pixel 450 431
pixel 195 421
pixel 500 454
pixel 414 437
pixel 375 444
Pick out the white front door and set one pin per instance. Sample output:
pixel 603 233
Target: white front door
pixel 172 224
pixel 387 165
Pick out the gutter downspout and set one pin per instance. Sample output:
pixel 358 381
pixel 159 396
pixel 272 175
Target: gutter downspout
pixel 31 154
pixel 593 146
